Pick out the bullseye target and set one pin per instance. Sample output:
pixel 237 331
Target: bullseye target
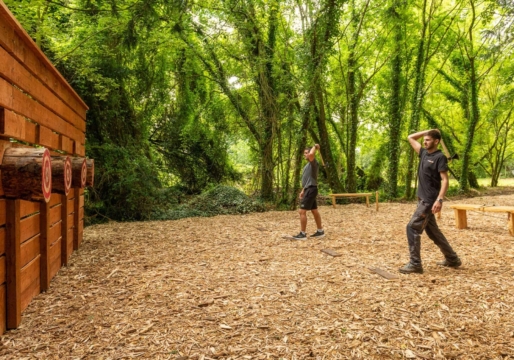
pixel 67 175
pixel 46 170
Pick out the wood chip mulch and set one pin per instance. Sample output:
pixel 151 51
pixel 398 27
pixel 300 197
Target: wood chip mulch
pixel 230 287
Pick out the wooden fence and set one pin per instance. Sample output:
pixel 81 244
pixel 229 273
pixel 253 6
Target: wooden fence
pixel 40 225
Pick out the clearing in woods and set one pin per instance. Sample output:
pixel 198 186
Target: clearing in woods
pixel 231 287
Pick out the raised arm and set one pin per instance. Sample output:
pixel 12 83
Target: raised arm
pixel 413 140
pixel 312 153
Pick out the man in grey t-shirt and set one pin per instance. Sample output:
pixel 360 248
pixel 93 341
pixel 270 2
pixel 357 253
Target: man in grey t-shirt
pixel 308 195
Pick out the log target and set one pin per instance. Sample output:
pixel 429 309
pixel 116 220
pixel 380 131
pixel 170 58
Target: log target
pixel 27 174
pixel 61 174
pixel 79 172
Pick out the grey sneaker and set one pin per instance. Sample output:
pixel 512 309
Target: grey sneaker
pixel 409 268
pixel 318 234
pixel 300 236
pixel 453 264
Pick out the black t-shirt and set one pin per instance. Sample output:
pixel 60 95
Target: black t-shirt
pixel 429 177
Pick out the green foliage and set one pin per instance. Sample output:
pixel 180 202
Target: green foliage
pixel 126 184
pixel 221 200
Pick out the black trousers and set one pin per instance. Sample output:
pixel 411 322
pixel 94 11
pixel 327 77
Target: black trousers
pixel 423 219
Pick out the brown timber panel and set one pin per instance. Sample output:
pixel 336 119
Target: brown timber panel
pixel 55 214
pixel 28 208
pixel 65 144
pixel 30 282
pixel 29 250
pixel 18 43
pixel 3 309
pixel 54 200
pixel 71 231
pixel 17 74
pixel 2 240
pixel 13 99
pixel 2 210
pixel 47 137
pixel 54 233
pixel 3 277
pixel 29 227
pixel 79 148
pixel 54 258
pixel 16 126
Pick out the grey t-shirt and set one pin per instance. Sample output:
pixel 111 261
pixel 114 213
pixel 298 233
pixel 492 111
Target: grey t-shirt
pixel 310 174
pixel 430 166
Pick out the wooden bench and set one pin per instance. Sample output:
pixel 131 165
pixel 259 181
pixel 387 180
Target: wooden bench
pixel 461 220
pixel 367 195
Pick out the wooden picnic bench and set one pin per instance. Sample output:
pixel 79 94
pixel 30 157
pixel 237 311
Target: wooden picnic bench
pixel 367 195
pixel 461 220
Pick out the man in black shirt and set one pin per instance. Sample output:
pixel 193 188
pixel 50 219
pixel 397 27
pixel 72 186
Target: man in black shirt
pixel 432 186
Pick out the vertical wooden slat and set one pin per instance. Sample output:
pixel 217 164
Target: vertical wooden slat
pixel 45 246
pixel 77 238
pixel 64 230
pixel 13 263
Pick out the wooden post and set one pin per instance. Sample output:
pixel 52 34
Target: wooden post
pixel 13 263
pixel 511 224
pixel 44 246
pixel 461 220
pixel 333 201
pixel 77 218
pixel 64 230
pixel 367 200
pixel 376 200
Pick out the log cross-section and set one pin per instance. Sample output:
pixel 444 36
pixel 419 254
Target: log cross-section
pixel 61 174
pixel 79 172
pixel 27 174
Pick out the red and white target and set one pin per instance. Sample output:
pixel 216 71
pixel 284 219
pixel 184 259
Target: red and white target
pixel 46 170
pixel 83 174
pixel 67 175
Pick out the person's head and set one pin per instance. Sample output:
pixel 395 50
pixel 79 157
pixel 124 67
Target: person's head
pixel 306 152
pixel 431 140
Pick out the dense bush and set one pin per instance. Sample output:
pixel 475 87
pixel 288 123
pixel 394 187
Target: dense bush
pixel 221 200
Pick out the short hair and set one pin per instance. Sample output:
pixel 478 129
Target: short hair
pixel 307 148
pixel 434 134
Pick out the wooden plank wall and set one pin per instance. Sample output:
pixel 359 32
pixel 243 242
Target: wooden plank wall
pixel 37 107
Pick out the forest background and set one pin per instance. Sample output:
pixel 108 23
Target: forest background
pixel 188 95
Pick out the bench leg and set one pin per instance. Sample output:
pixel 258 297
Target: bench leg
pixel 334 202
pixel 367 201
pixel 461 220
pixel 376 200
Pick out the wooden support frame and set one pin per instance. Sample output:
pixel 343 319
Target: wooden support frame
pixel 45 246
pixel 13 260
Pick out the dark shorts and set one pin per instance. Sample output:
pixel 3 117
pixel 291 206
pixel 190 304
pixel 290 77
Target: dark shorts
pixel 308 202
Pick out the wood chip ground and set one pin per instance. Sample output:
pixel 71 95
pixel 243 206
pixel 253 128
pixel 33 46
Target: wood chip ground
pixel 230 287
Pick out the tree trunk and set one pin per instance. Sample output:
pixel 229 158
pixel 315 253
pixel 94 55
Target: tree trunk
pixel 395 115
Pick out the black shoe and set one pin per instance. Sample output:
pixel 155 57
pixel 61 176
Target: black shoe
pixel 318 234
pixel 453 264
pixel 300 236
pixel 409 269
